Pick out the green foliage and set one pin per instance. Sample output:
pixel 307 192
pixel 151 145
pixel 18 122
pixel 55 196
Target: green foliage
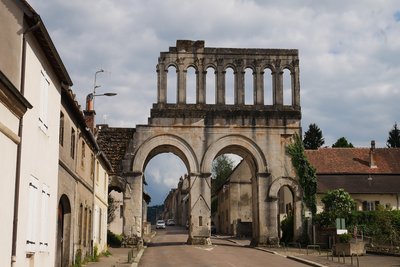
pixel 338 204
pixel 78 258
pixel 313 137
pixel 394 137
pixel 342 142
pixel 221 169
pixel 382 225
pixel 287 229
pixel 114 240
pixel 344 238
pixel 305 171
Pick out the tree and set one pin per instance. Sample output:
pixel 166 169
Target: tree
pixel 337 204
pixel 342 142
pixel 221 169
pixel 394 137
pixel 313 137
pixel 305 171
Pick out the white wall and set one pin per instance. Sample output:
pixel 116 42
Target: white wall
pixel 39 160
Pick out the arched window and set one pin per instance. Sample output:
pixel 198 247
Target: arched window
pixel 248 87
pixel 229 86
pixel 172 87
pixel 287 88
pixel 210 86
pixel 268 88
pixel 191 80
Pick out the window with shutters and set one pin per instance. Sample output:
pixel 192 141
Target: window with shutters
pixel 61 134
pixel 80 219
pixel 33 195
pixel 72 151
pixel 92 166
pixel 44 239
pixel 44 101
pixel 83 154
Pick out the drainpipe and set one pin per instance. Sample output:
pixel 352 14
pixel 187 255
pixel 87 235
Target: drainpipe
pixel 19 151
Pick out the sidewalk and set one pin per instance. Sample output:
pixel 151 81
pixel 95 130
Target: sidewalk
pixel 118 258
pixel 320 259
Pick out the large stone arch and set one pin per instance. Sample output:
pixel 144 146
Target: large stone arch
pixel 165 143
pixel 234 144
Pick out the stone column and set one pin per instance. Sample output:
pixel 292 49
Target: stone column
pixel 220 85
pixel 201 87
pixel 298 222
pixel 133 199
pixel 162 83
pixel 200 209
pixel 258 82
pixel 181 94
pixel 239 87
pixel 278 88
pixel 296 84
pixel 260 213
pixel 273 212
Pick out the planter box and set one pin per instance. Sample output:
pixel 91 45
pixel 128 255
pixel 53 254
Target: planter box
pixel 349 248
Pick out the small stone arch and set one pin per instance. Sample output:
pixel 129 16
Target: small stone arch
pixel 191 65
pixel 278 183
pixel 270 67
pixel 171 64
pixel 230 66
pixel 232 141
pixel 210 65
pixel 116 183
pixel 165 143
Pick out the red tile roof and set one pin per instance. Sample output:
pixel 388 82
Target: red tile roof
pixel 354 160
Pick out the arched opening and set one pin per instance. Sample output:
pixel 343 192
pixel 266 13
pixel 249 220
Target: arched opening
pixel 287 88
pixel 249 87
pixel 268 87
pixel 229 86
pixel 210 86
pixel 232 197
pixel 285 215
pixel 115 209
pixel 167 187
pixel 172 85
pixel 63 232
pixel 191 81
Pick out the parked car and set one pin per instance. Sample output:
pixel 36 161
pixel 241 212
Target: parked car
pixel 160 224
pixel 170 222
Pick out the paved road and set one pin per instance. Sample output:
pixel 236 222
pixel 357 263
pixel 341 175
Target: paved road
pixel 168 248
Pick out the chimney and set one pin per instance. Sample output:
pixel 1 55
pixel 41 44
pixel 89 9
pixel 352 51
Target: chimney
pixel 89 113
pixel 372 163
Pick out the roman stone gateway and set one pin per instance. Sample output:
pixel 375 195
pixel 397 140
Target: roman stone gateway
pixel 199 132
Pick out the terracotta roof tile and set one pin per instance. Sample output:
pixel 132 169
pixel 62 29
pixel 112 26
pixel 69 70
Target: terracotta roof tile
pixel 354 160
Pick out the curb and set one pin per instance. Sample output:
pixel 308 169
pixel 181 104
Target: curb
pixel 298 259
pixel 135 262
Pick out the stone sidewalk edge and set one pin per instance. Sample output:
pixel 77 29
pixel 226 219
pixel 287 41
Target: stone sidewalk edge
pixel 301 260
pixel 135 262
pixel 294 258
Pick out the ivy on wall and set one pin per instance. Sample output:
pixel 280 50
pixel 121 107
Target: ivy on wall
pixel 306 173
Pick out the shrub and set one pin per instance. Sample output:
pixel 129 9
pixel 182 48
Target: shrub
pixel 114 240
pixel 344 238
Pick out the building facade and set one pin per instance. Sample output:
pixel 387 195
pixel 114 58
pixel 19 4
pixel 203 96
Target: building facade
pixel 32 78
pixel 83 187
pixel 370 175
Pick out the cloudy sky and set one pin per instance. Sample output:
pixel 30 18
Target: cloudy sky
pixel 349 57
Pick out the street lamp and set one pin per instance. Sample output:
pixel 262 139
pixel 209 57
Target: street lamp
pixel 90 97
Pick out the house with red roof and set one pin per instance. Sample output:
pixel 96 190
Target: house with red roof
pixel 370 175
